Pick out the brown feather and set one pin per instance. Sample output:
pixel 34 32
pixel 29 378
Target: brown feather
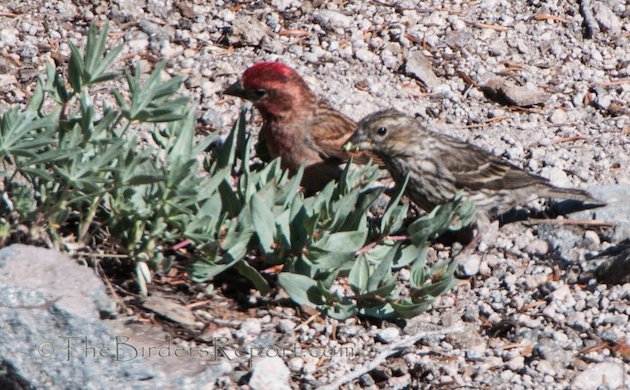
pixel 297 126
pixel 440 166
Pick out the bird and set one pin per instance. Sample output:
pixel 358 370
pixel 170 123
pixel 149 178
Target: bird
pixel 298 127
pixel 441 166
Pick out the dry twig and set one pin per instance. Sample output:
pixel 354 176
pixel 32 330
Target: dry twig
pixel 551 17
pixel 569 139
pixel 615 83
pixel 594 222
pixel 381 357
pixel 494 27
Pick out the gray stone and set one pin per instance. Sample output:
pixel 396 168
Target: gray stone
pixel 474 354
pixel 419 67
pixel 285 326
pixel 606 18
pixel 52 309
pixel 7 80
pixel 250 329
pixel 563 241
pixel 332 20
pixel 9 36
pixel 366 56
pixel 552 352
pixel 609 375
pixel 248 30
pixel 270 373
pixel 388 335
pixel 559 117
pixel 507 92
pixel 591 238
pixel 516 363
pixel 498 48
pixel 469 266
pixel 296 364
pixel 537 247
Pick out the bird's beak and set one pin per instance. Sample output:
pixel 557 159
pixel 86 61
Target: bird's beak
pixel 357 142
pixel 237 90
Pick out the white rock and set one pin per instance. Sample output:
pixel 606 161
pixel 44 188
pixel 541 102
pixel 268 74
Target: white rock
pixel 296 364
pixel 366 56
pixel 270 373
pixel 286 325
pixel 388 335
pixel 7 79
pixel 469 266
pixel 558 117
pixel 606 19
pixel 8 36
pixel 250 328
pixel 516 363
pixel 591 238
pixel 608 374
pixel 332 20
pixel 537 247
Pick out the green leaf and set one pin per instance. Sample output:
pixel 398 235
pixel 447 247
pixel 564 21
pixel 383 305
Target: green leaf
pixel 381 274
pixel 287 193
pixel 143 180
pixel 388 221
pixel 435 289
pixel 341 241
pixel 431 225
pixel 329 261
pixel 263 223
pixel 37 100
pixel 408 254
pixel 359 275
pixel 384 290
pixel 381 311
pixel 283 228
pixel 202 271
pixel 418 272
pixel 343 208
pixel 253 276
pixel 409 310
pixel 302 289
pixel 464 214
pixel 297 220
pixel 75 68
pixel 184 131
pixel 341 311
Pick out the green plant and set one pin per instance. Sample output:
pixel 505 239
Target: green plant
pixel 321 241
pixel 81 170
pixel 77 167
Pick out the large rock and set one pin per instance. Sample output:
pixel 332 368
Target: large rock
pixel 52 331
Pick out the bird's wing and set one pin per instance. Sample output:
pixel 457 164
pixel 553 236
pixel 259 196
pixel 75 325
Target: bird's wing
pixel 474 168
pixel 330 130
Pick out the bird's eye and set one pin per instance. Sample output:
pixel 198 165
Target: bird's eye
pixel 381 131
pixel 260 93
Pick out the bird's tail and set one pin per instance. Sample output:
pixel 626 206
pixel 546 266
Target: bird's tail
pixel 551 191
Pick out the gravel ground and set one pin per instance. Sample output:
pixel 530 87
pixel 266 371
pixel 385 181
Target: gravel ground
pixel 531 319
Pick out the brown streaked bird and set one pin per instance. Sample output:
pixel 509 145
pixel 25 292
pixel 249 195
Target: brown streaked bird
pixel 440 166
pixel 297 126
